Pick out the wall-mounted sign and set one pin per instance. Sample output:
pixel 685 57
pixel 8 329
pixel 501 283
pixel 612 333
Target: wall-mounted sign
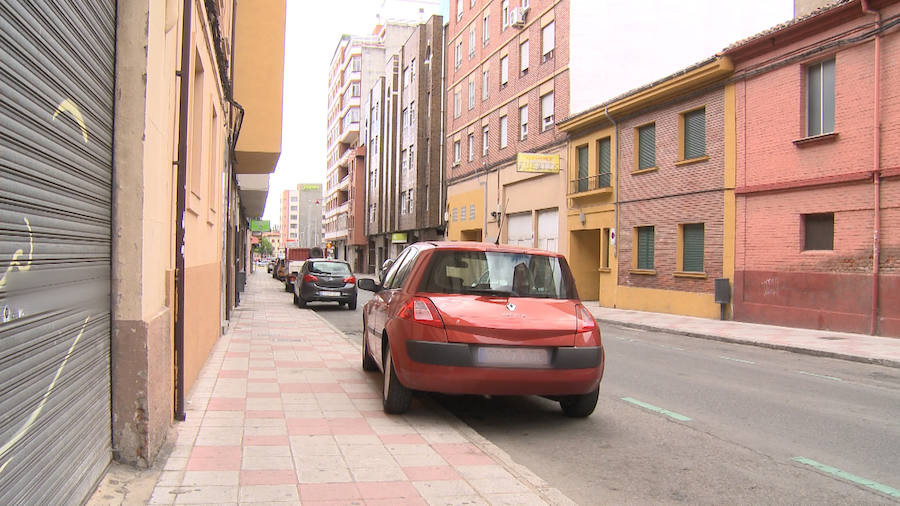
pixel 259 225
pixel 537 162
pixel 398 238
pixel 310 187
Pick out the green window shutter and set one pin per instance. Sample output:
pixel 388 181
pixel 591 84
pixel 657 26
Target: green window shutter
pixel 692 243
pixel 645 248
pixel 647 147
pixel 582 168
pixel 603 158
pixel 827 96
pixel 814 100
pixel 695 134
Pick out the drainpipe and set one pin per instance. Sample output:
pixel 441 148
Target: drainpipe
pixel 184 74
pixel 876 170
pixel 616 194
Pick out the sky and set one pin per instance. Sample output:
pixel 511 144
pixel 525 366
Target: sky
pixel 654 39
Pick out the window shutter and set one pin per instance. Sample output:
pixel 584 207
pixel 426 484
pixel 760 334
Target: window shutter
pixel 692 240
pixel 828 96
pixel 603 155
pixel 695 134
pixel 647 147
pixel 645 248
pixel 582 168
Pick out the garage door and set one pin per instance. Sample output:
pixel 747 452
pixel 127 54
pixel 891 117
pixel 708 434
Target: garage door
pixel 519 229
pixel 56 115
pixel 548 229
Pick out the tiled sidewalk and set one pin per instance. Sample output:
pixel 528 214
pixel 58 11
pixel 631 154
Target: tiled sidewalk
pixel 283 413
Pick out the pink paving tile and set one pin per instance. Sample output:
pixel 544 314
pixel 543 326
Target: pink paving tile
pixel 233 373
pixel 462 454
pixel 396 501
pixel 266 441
pixel 264 394
pixel 328 492
pixel 311 364
pixel 287 363
pixel 456 448
pixel 386 489
pixel 431 473
pixel 355 380
pixel 215 458
pixel 237 354
pixel 350 426
pixel 403 439
pixel 294 388
pixel 374 414
pixel 307 427
pixel 464 459
pixel 363 395
pixel 226 404
pixel 264 414
pixel 326 388
pixel 268 477
pixel 262 380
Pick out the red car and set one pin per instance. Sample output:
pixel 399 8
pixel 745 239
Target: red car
pixel 475 318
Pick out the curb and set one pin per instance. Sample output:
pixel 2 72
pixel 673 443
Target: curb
pixel 540 487
pixel 759 344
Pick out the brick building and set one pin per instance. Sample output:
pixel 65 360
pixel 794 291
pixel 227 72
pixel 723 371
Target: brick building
pixel 818 109
pixel 506 68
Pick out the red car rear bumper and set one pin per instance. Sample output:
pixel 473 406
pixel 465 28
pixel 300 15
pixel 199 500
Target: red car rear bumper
pixel 453 368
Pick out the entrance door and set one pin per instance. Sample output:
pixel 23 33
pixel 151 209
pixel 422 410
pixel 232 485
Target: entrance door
pixel 548 230
pixel 56 122
pixel 519 230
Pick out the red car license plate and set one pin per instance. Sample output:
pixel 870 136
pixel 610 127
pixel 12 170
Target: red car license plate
pixel 512 356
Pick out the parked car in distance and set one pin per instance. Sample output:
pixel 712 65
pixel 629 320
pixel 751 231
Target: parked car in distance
pixel 280 269
pixel 475 318
pixel 293 270
pixel 270 266
pixel 325 280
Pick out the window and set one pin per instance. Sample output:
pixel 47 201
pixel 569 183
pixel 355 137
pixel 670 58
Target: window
pixel 523 58
pixel 412 69
pixel 472 42
pixel 459 9
pixel 293 225
pixel 525 4
pixel 355 64
pixel 458 55
pixel 693 131
pixel 457 104
pixel 820 98
pixel 293 217
pixel 504 13
pixel 404 117
pixel 409 201
pixel 646 138
pixel 604 249
pixel 471 96
pixel 471 211
pixel 471 140
pixel 462 213
pixel 484 84
pixel 485 136
pixel 548 41
pixel 582 168
pixel 523 122
pixel 818 231
pixel 405 77
pixel 604 156
pixel 485 32
pixel 456 152
pixel 400 270
pixel 692 247
pixel 404 163
pixel 354 90
pixel 502 132
pixel 504 71
pixel 293 208
pixel 403 202
pixel 412 112
pixel 644 245
pixel 547 111
pixel 455 214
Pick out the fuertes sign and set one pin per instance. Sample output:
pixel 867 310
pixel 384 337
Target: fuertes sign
pixel 537 162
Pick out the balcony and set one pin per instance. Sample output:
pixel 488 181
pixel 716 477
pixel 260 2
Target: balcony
pixel 592 185
pixel 259 83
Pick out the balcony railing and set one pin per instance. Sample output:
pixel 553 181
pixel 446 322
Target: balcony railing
pixel 590 183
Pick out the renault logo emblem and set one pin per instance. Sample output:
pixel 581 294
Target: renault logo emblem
pixel 511 306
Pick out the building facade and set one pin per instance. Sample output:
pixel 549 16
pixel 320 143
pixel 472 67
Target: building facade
pixel 404 186
pixel 817 184
pixel 506 67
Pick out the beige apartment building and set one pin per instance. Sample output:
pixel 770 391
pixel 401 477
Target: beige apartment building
pixel 507 83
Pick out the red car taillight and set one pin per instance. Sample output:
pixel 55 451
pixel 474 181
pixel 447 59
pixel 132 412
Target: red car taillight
pixel 586 321
pixel 350 279
pixel 421 310
pixel 309 278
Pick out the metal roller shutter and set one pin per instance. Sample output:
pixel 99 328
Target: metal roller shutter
pixel 56 116
pixel 692 238
pixel 548 229
pixel 519 230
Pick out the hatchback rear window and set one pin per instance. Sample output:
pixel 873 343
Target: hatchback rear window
pixel 329 268
pixel 501 274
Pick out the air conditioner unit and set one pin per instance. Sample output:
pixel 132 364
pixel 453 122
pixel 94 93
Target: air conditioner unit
pixel 517 17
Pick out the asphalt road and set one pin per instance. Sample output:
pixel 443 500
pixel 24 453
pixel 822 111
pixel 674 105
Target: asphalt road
pixel 685 420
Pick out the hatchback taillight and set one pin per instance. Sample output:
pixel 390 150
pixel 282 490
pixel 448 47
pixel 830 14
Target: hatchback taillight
pixel 350 279
pixel 309 278
pixel 421 310
pixel 586 321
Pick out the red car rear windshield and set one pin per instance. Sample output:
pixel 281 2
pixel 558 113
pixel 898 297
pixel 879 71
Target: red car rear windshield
pixel 500 274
